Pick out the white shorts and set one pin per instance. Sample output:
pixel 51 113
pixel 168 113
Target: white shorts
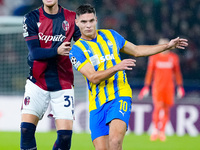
pixel 36 102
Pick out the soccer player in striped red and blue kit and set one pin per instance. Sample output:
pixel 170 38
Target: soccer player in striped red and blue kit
pixel 48 32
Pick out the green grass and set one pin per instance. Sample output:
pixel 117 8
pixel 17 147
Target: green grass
pixel 10 141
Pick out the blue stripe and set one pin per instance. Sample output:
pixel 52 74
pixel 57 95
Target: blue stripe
pixel 57 30
pixel 118 47
pixel 88 47
pixel 52 69
pixel 124 75
pixel 106 90
pixel 114 63
pixel 88 83
pixel 105 64
pixel 97 99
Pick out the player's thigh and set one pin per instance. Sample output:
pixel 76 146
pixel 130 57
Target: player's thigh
pixel 62 104
pixel 35 102
pixel 101 143
pixel 30 118
pixel 117 129
pixel 64 124
pixel 98 126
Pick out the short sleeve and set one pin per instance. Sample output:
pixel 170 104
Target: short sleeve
pixel 119 39
pixel 77 57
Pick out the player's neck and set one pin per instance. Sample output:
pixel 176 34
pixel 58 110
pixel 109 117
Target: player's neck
pixel 88 38
pixel 51 10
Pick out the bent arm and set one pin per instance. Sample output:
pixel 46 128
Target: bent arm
pixel 38 53
pixel 97 76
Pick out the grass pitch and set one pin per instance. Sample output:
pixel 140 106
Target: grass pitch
pixel 11 140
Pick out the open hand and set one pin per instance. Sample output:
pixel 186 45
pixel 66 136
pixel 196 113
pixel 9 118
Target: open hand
pixel 126 64
pixel 177 43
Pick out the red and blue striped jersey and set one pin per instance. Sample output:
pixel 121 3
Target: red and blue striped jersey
pixel 44 33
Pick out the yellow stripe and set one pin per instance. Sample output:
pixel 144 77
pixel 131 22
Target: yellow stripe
pixel 118 60
pixel 85 62
pixel 124 87
pixel 109 89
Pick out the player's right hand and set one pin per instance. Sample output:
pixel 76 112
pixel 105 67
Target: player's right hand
pixel 126 64
pixel 144 92
pixel 64 49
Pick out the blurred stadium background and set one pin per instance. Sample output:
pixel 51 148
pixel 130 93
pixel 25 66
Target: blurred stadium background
pixel 139 21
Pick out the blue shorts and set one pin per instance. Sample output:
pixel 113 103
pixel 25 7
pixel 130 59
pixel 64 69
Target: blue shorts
pixel 119 108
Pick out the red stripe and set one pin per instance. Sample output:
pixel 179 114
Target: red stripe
pixel 65 72
pixel 66 76
pixel 31 38
pixel 70 18
pixel 38 73
pixel 39 66
pixel 46 28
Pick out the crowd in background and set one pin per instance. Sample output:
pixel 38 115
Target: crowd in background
pixel 141 22
pixel 145 21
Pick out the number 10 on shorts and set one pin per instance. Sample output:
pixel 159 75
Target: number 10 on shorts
pixel 123 105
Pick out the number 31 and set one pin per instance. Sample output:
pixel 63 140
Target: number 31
pixel 67 98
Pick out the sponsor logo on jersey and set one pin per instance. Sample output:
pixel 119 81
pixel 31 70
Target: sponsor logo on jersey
pixel 65 25
pixel 94 60
pixel 164 65
pixel 26 100
pixel 107 57
pixel 48 38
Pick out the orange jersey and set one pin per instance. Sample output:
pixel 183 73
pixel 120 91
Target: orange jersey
pixel 163 71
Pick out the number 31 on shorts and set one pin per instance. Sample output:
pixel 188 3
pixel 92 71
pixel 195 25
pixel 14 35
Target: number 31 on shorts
pixel 69 100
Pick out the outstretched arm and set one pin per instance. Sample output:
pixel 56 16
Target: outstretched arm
pixel 147 50
pixel 97 76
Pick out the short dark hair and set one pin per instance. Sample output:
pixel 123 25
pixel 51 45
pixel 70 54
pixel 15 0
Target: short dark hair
pixel 85 8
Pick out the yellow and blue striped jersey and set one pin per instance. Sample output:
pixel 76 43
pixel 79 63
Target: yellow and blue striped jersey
pixel 103 53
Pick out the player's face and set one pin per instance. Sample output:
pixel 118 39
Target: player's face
pixel 87 25
pixel 50 3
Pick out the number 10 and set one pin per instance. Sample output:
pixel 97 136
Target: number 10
pixel 123 105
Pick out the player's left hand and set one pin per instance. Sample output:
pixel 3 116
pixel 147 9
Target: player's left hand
pixel 144 92
pixel 177 43
pixel 180 92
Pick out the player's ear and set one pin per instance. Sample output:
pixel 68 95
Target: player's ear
pixel 76 21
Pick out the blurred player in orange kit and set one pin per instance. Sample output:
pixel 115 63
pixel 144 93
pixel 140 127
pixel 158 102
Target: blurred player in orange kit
pixel 163 70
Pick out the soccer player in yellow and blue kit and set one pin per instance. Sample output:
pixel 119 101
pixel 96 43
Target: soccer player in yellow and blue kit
pixel 96 56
